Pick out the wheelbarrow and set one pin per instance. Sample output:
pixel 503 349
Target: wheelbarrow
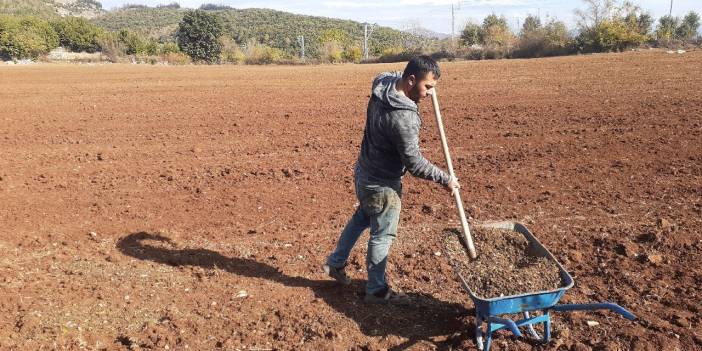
pixel 488 310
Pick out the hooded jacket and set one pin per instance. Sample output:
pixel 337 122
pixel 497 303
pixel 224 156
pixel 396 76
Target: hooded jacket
pixel 390 144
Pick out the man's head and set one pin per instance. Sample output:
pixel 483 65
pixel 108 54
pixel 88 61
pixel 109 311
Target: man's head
pixel 420 76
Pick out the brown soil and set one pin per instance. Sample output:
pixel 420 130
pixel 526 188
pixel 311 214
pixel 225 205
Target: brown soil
pixel 145 206
pixel 505 265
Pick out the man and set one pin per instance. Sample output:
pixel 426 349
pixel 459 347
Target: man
pixel 390 147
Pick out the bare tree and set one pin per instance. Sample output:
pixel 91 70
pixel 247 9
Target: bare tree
pixel 595 12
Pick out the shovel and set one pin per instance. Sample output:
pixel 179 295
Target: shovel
pixel 456 194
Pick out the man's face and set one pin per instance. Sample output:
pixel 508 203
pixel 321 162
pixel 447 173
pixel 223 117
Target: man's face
pixel 421 87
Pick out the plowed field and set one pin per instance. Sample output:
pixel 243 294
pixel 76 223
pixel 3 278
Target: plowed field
pixel 150 207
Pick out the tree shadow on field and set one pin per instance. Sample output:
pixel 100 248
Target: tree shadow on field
pixel 426 319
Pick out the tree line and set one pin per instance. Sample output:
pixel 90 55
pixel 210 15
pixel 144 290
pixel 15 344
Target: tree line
pixel 603 26
pixel 219 34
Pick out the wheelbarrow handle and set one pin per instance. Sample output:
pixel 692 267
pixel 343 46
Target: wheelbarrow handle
pixel 456 194
pixel 595 306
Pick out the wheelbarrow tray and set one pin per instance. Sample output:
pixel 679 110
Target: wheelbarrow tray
pixel 522 302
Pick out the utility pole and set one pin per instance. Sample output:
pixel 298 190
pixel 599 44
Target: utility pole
pixel 301 42
pixel 367 32
pixel 518 28
pixel 670 14
pixel 453 25
pixel 454 7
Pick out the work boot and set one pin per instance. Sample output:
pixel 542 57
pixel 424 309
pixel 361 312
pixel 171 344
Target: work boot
pixel 339 274
pixel 387 297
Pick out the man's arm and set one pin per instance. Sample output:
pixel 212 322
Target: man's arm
pixel 405 137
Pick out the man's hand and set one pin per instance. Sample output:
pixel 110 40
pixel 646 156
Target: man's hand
pixel 453 185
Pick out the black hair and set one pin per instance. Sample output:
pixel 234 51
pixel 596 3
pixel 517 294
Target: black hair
pixel 420 66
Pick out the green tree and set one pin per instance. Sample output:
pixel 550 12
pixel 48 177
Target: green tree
pixel 26 37
pixel 666 27
pixel 495 31
pixel 687 29
pixel 198 35
pixel 644 23
pixel 78 34
pixel 472 34
pixel 556 35
pixel 531 24
pixel 616 35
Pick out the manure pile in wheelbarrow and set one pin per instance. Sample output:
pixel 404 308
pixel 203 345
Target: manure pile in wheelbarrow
pixel 504 265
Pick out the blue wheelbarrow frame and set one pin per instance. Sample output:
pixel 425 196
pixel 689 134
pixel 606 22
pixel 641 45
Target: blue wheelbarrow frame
pixel 487 310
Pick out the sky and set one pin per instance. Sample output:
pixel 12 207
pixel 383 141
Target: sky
pixel 431 14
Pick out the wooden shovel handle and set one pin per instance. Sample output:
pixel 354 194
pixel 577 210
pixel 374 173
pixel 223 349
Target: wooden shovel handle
pixel 456 194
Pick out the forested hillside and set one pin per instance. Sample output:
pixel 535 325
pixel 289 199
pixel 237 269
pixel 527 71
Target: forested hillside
pixel 49 8
pixel 269 27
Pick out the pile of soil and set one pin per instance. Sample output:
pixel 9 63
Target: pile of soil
pixel 504 266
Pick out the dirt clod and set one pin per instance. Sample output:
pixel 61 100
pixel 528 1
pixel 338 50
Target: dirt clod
pixel 663 223
pixel 504 266
pixel 656 259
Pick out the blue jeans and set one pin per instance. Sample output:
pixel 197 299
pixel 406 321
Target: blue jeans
pixel 379 209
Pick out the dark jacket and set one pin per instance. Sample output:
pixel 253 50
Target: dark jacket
pixel 390 144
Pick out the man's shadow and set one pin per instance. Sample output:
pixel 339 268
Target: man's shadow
pixel 426 319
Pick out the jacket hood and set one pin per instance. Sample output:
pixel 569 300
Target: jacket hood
pixel 384 89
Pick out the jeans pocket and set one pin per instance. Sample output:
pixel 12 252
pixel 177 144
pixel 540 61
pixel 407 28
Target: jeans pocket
pixel 373 201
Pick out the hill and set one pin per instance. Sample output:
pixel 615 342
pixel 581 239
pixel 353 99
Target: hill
pixel 274 28
pixel 427 33
pixel 52 8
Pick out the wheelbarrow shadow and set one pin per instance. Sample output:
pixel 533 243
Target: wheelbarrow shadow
pixel 429 319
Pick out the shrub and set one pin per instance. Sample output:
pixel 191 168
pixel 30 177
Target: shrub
pixel 26 37
pixel 168 48
pixel 111 46
pixel 443 54
pixel 176 58
pixel 331 52
pixel 471 53
pixel 231 52
pixel 397 55
pixel 78 34
pixel 550 40
pixel 152 48
pixel 491 53
pixel 259 54
pixel 610 35
pixel 134 44
pixel 353 54
pixel 198 35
